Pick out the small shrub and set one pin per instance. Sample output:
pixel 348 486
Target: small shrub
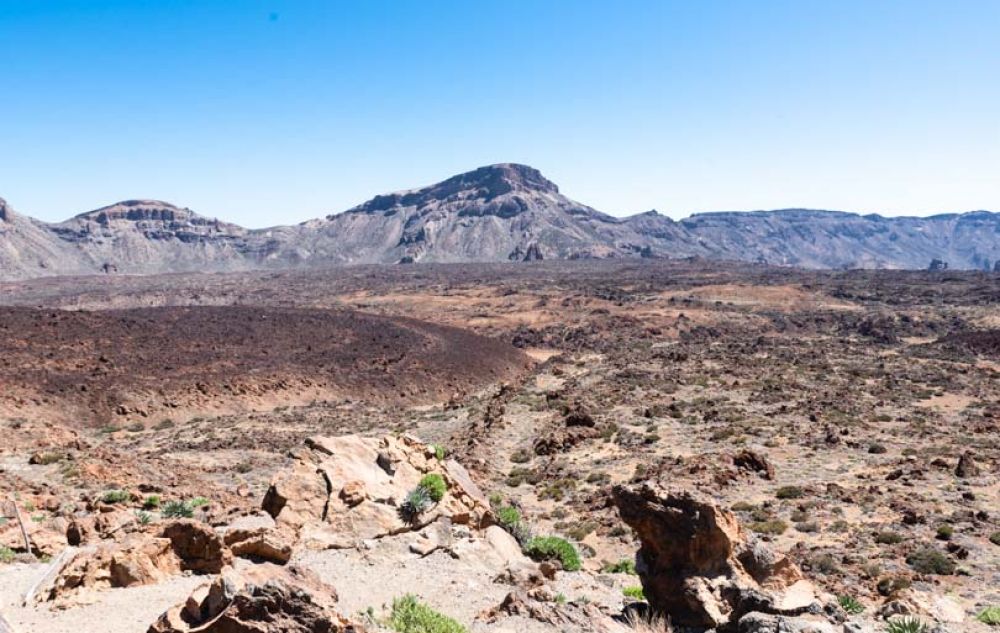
pixel 790 492
pixel 876 449
pixel 7 555
pixel 580 530
pixel 742 506
pixel 995 538
pixel 892 584
pixel 888 537
pixel 624 566
pixel 197 502
pixel 521 456
pixel 552 547
pixel 143 517
pixel 928 560
pixel 824 563
pixel 434 484
pixel 945 532
pixel 635 592
pixel 850 605
pixel 115 496
pixel 177 510
pixel 151 502
pixel 508 516
pixel 773 527
pixel 439 452
pixel 164 424
pixel 44 459
pixel 136 427
pixel 989 615
pixel 411 616
pixel 906 625
pixel 415 504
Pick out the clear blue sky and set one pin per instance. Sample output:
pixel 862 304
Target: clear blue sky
pixel 266 111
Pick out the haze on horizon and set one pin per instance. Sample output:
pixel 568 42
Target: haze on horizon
pixel 269 112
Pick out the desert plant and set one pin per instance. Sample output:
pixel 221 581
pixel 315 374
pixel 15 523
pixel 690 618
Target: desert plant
pixel 439 452
pixel 995 538
pixel 435 486
pixel 115 496
pixel 634 591
pixel 906 625
pixel 197 502
pixel 774 526
pixel 647 622
pixel 417 501
pixel 624 566
pixel 945 532
pixel 7 555
pixel 151 502
pixel 553 547
pixel 850 605
pixel 143 517
pixel 409 615
pixel 508 517
pixel 177 510
pixel 790 492
pixel 989 615
pixel 928 560
pixel 888 537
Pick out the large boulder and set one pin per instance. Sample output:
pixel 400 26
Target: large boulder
pixel 342 490
pixel 262 598
pixel 699 566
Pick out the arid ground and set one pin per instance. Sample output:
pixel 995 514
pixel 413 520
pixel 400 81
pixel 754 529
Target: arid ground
pixel 850 419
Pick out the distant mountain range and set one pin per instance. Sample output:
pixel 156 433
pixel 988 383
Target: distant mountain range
pixel 504 212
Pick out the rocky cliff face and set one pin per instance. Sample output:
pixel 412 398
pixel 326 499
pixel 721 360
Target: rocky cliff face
pixel 504 212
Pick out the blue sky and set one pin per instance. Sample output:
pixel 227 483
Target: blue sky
pixel 265 111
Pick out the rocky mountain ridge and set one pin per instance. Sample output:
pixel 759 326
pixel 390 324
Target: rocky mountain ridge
pixel 504 212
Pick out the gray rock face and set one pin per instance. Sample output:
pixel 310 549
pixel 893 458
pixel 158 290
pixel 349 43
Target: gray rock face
pixel 504 212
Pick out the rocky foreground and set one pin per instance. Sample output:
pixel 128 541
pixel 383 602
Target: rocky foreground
pixel 354 505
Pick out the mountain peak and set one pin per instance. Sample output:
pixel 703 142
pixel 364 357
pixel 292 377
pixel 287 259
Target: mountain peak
pixel 504 177
pixel 5 212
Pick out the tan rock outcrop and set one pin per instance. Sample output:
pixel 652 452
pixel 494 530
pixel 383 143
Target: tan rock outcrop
pixel 699 566
pixel 342 490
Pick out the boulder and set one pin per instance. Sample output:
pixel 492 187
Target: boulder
pixel 262 544
pixel 343 490
pixel 197 545
pixel 699 566
pixel 753 461
pixel 261 599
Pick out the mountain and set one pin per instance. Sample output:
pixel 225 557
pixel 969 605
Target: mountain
pixel 504 212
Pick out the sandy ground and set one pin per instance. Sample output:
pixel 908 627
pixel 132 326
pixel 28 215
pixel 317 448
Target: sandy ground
pixel 129 610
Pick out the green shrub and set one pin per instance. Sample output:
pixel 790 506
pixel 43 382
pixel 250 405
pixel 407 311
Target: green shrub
pixel 928 560
pixel 624 566
pixel 790 492
pixel 410 616
pixel 434 484
pixel 995 538
pixel 891 584
pixel 635 592
pixel 115 496
pixel 197 502
pixel 178 510
pixel 521 456
pixel 6 554
pixel 906 625
pixel 151 502
pixel 888 537
pixel 553 547
pixel 439 452
pixel 850 605
pixel 989 615
pixel 508 517
pixel 143 517
pixel 945 532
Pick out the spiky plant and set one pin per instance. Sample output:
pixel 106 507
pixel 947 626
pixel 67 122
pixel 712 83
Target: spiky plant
pixel 851 605
pixel 416 503
pixel 907 625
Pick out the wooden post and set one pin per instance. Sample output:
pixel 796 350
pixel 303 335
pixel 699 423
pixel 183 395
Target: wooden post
pixel 24 530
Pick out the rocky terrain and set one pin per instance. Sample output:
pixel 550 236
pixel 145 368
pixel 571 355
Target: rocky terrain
pixel 498 213
pixel 738 447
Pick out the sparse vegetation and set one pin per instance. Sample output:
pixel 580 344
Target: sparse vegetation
pixel 928 560
pixel 850 605
pixel 435 486
pixel 554 548
pixel 143 517
pixel 772 526
pixel 439 452
pixel 888 537
pixel 790 492
pixel 634 591
pixel 198 502
pixel 151 502
pixel 115 496
pixel 7 555
pixel 990 616
pixel 409 615
pixel 906 624
pixel 624 566
pixel 177 510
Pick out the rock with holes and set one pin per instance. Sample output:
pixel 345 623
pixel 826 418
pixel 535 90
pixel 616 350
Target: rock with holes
pixel 699 566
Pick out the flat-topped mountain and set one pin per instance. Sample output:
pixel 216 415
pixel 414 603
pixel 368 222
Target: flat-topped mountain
pixel 504 212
